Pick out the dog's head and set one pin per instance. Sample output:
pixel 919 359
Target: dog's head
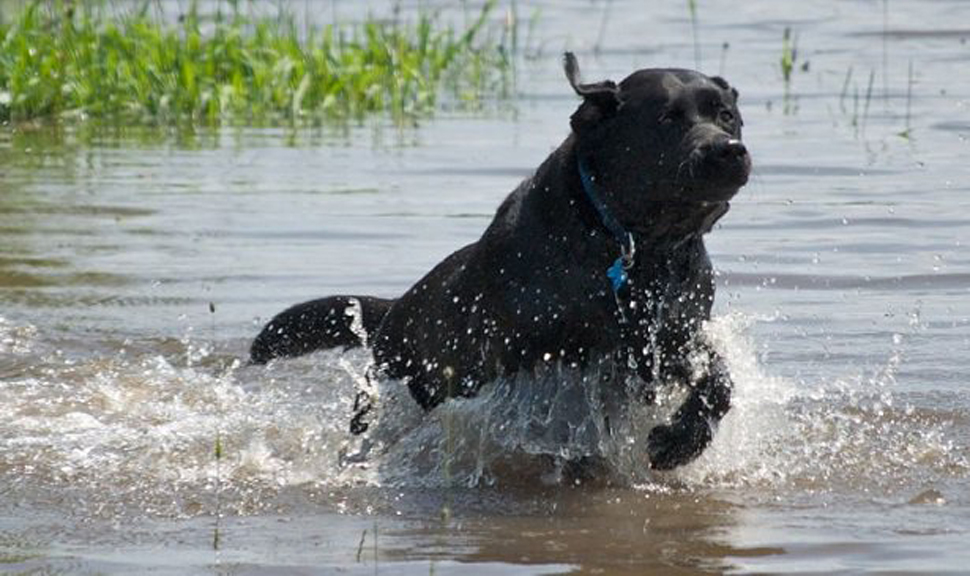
pixel 661 135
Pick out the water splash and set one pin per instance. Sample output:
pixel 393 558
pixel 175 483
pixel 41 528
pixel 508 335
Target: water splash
pixel 849 434
pixel 557 425
pixel 552 425
pixel 136 431
pixel 143 429
pixel 16 339
pixel 745 444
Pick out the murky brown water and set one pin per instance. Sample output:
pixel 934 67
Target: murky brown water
pixel 842 309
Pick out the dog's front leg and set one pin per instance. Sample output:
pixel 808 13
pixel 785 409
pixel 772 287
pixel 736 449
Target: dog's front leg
pixel 692 427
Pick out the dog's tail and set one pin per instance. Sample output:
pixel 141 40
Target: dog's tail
pixel 318 324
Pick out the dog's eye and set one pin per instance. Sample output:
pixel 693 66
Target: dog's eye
pixel 726 116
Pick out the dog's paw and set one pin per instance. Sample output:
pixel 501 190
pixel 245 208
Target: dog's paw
pixel 677 444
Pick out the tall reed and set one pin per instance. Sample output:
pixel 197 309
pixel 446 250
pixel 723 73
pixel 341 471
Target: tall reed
pixel 68 60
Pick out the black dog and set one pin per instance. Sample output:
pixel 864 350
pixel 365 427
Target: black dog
pixel 596 260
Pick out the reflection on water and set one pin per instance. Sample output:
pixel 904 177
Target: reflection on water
pixel 841 308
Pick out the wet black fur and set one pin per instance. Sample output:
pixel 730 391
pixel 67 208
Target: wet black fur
pixel 664 149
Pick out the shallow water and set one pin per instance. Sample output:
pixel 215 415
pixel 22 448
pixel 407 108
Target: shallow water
pixel 842 309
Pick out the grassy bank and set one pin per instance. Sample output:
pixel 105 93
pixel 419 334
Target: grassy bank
pixel 73 60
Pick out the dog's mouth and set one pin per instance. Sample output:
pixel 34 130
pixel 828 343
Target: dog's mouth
pixel 678 219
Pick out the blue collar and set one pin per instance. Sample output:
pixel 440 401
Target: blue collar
pixel 617 273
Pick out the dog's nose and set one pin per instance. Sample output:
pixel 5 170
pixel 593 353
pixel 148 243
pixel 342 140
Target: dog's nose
pixel 730 149
pixel 724 150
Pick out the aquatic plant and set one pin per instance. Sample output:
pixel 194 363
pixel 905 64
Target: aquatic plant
pixel 692 8
pixel 789 53
pixel 906 133
pixel 74 60
pixel 789 58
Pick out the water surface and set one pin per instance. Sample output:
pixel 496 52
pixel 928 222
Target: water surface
pixel 842 308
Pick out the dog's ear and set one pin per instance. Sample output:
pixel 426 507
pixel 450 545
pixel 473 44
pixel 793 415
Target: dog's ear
pixel 600 99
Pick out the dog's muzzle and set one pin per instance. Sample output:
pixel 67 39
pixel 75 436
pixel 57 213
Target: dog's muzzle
pixel 721 162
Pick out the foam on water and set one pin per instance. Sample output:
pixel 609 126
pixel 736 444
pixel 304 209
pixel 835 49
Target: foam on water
pixel 139 431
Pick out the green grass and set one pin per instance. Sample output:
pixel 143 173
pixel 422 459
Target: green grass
pixel 58 61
